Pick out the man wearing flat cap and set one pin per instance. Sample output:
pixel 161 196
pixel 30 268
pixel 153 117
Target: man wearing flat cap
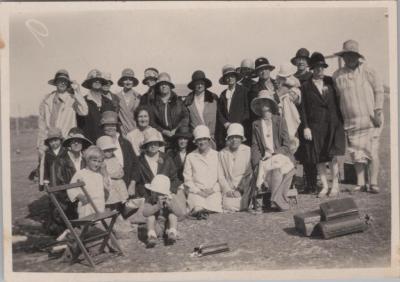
pixel 361 97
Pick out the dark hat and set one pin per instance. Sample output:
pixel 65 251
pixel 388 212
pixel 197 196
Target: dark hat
pixel 199 75
pixel 128 73
pixel 150 73
pixel 350 46
pixel 301 53
pixel 92 76
pixel 76 133
pixel 60 74
pixel 317 59
pixel 265 97
pixel 183 132
pixel 262 63
pixel 166 78
pixel 226 70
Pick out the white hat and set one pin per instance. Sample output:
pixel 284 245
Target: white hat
pixel 201 131
pixel 152 135
pixel 160 184
pixel 285 70
pixel 235 129
pixel 105 143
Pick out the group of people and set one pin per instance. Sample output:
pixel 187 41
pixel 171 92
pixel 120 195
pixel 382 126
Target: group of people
pixel 171 156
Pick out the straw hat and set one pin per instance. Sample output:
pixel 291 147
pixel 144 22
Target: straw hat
pixel 235 129
pixel 109 117
pixel 164 77
pixel 285 70
pixel 152 135
pixel 317 59
pixel 226 70
pixel 92 76
pixel 201 131
pixel 160 184
pixel 301 53
pixel 60 74
pixel 264 97
pixel 128 73
pixel 76 133
pixel 350 46
pixel 105 143
pixel 150 73
pixel 198 76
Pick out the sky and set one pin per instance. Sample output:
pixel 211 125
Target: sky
pixel 179 41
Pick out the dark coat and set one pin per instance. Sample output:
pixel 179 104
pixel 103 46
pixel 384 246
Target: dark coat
pixel 65 169
pixel 280 137
pixel 50 160
pixel 239 112
pixel 115 101
pixel 177 114
pixel 303 77
pixel 322 115
pixel 247 82
pixel 147 98
pixel 90 124
pixel 144 175
pixel 131 161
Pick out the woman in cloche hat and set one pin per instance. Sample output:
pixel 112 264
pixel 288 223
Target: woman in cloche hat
pixel 202 103
pixel 323 124
pixel 233 104
pixel 152 162
pixel 201 176
pixel 270 152
pixel 129 100
pixel 236 171
pixel 150 79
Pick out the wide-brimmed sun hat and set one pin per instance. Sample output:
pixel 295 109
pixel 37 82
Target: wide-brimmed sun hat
pixel 301 53
pixel 199 75
pixel 183 132
pixel 350 46
pixel 109 117
pixel 76 133
pixel 53 133
pixel 60 74
pixel 264 97
pixel 227 70
pixel 317 59
pixel 263 63
pixel 106 142
pixel 285 70
pixel 151 135
pixel 164 78
pixel 247 67
pixel 160 184
pixel 201 131
pixel 92 76
pixel 235 129
pixel 150 73
pixel 128 74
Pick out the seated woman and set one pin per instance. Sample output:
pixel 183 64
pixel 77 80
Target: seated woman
pixel 162 206
pixel 136 136
pixel 181 146
pixel 270 152
pixel 201 176
pixel 152 162
pixel 236 171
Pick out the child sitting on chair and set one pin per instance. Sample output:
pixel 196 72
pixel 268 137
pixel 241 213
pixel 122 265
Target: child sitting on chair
pixel 162 206
pixel 95 183
pixel 118 191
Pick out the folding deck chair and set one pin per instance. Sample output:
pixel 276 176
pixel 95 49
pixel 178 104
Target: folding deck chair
pixel 85 223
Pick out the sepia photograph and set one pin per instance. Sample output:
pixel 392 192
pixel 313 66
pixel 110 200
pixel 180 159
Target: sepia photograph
pixel 235 140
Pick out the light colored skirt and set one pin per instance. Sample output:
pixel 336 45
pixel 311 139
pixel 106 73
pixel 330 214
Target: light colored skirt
pixel 211 203
pixel 278 161
pixel 118 192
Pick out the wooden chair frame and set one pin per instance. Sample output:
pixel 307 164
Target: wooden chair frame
pixel 86 222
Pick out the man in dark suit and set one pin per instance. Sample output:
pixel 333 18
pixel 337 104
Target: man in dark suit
pixel 233 105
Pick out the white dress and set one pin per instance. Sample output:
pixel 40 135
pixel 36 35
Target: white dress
pixel 201 172
pixel 94 185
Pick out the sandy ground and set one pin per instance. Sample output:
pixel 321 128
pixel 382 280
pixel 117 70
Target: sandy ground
pixel 257 241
